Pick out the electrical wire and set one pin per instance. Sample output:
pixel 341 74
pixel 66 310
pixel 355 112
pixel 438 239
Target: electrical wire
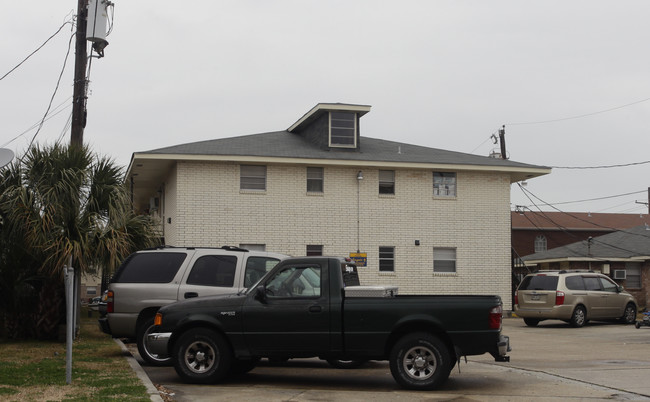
pixel 601 167
pixel 580 116
pixel 56 89
pixel 57 110
pixel 37 49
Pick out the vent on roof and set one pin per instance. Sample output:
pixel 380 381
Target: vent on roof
pixel 619 274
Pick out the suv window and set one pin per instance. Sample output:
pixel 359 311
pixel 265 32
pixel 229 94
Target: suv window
pixel 256 268
pixel 539 282
pixel 214 270
pixel 574 282
pixel 149 268
pixel 592 283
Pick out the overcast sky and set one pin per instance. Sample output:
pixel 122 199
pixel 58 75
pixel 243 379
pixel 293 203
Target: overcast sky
pixel 569 80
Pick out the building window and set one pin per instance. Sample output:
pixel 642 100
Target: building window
pixel 444 184
pixel 314 249
pixel 633 275
pixel 444 260
pixel 540 244
pixel 315 179
pixel 252 177
pixel 343 129
pixel 386 259
pixel 386 182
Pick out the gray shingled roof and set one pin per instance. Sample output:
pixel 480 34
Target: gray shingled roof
pixel 629 243
pixel 284 144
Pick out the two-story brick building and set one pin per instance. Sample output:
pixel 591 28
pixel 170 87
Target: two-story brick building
pixel 429 221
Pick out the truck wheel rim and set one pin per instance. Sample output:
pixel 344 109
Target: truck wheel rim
pixel 200 357
pixel 419 363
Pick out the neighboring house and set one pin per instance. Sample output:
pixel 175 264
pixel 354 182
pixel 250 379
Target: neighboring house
pixel 427 220
pixel 624 255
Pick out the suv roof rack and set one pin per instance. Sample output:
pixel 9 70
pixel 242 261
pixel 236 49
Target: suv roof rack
pixel 570 271
pixel 233 248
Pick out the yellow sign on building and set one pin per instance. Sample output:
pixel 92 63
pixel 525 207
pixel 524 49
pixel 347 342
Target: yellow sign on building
pixel 361 259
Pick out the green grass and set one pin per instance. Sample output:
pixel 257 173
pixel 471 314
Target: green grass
pixel 36 370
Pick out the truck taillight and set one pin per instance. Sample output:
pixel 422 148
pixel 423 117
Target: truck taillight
pixel 157 319
pixel 516 298
pixel 495 317
pixel 109 301
pixel 559 298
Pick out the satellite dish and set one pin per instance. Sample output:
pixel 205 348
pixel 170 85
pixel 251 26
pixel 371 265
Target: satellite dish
pixel 6 156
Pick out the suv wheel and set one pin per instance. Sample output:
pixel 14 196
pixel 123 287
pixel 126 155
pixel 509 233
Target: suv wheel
pixel 578 318
pixel 141 339
pixel 629 316
pixel 531 322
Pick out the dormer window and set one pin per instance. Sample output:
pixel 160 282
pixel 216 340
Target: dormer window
pixel 331 125
pixel 343 129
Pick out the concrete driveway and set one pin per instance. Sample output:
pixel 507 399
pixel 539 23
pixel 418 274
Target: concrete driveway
pixel 601 361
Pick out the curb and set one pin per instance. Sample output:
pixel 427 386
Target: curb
pixel 154 395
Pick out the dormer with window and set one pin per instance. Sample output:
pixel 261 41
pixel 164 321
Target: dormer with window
pixel 331 125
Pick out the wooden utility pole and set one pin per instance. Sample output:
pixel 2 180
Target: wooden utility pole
pixel 79 90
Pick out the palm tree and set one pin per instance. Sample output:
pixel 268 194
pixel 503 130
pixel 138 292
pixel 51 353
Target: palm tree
pixel 60 204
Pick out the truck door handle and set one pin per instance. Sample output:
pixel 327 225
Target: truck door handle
pixel 315 309
pixel 189 295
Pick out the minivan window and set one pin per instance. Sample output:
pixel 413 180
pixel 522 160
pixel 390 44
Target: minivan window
pixel 149 268
pixel 574 282
pixel 592 283
pixel 608 286
pixel 539 282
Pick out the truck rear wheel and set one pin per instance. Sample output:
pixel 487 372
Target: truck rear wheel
pixel 144 329
pixel 420 361
pixel 202 356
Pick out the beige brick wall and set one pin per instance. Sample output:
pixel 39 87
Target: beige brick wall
pixel 210 210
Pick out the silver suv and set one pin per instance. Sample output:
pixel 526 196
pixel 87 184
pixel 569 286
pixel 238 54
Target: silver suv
pixel 150 279
pixel 573 296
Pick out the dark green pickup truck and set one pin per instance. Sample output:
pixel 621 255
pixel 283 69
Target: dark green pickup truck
pixel 300 309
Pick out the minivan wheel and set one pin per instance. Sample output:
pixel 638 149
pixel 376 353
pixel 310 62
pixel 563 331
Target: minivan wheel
pixel 578 318
pixel 629 316
pixel 531 322
pixel 141 340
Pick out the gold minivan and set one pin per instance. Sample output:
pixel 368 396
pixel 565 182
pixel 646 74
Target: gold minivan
pixel 573 296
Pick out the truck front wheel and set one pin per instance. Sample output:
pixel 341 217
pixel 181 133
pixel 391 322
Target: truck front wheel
pixel 202 356
pixel 420 361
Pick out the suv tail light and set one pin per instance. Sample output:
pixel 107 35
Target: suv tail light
pixel 495 317
pixel 516 297
pixel 559 298
pixel 109 301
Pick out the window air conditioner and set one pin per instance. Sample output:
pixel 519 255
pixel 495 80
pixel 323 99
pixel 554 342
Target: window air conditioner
pixel 619 274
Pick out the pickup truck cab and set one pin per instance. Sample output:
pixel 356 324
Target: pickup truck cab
pixel 150 279
pixel 300 309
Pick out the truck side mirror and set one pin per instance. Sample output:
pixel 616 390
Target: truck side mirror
pixel 260 293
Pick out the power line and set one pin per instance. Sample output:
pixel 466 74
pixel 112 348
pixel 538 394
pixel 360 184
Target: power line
pixel 580 116
pixel 37 49
pixel 601 167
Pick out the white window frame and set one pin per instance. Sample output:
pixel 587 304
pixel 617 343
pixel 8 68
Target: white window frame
pixel 336 130
pixel 541 244
pixel 386 180
pixel 444 255
pixel 251 177
pixel 445 184
pixel 315 176
pixel 387 256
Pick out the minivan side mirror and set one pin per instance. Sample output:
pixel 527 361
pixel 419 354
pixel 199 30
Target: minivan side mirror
pixel 619 288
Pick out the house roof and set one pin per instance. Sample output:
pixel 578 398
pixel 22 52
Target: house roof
pixel 149 168
pixel 550 221
pixel 631 244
